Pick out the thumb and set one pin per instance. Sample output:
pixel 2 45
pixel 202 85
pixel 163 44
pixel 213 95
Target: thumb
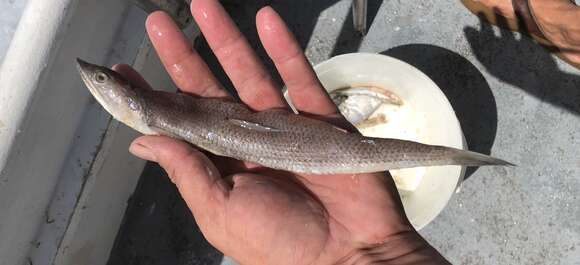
pixel 195 176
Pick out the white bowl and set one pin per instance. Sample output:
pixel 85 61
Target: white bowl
pixel 439 124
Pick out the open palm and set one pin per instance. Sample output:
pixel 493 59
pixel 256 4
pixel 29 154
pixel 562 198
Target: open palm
pixel 258 215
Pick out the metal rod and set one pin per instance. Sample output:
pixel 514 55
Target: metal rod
pixel 359 15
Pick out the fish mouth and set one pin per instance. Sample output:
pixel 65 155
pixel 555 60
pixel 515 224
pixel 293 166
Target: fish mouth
pixel 84 69
pixel 82 64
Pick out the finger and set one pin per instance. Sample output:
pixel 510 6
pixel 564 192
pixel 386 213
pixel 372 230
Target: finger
pixel 336 119
pixel 132 76
pixel 253 83
pixel 486 29
pixel 196 178
pixel 229 166
pixel 503 27
pixel 305 90
pixel 189 72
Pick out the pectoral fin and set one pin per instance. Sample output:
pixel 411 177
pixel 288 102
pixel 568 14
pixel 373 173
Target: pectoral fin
pixel 253 126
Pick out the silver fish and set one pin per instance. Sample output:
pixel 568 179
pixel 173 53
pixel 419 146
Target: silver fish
pixel 275 138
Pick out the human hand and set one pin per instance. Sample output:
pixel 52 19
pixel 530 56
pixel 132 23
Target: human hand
pixel 258 215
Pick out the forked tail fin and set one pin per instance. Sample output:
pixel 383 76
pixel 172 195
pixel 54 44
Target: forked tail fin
pixel 469 158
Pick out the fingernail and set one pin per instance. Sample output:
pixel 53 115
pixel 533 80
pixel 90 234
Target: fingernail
pixel 142 151
pixel 269 8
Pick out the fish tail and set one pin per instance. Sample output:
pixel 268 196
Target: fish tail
pixel 469 158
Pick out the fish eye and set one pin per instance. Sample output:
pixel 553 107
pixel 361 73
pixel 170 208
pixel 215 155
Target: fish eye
pixel 101 77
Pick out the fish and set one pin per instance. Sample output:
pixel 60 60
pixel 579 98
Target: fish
pixel 276 138
pixel 358 103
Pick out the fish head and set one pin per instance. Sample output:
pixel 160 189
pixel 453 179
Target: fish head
pixel 115 94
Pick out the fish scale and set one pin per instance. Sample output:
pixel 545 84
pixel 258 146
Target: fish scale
pixel 278 138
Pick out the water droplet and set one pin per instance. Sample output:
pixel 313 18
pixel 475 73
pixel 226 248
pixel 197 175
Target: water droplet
pixel 132 104
pixel 152 209
pixel 368 141
pixel 177 68
pixel 211 136
pixel 209 171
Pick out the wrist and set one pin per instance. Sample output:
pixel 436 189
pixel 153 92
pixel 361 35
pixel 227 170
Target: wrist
pixel 403 248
